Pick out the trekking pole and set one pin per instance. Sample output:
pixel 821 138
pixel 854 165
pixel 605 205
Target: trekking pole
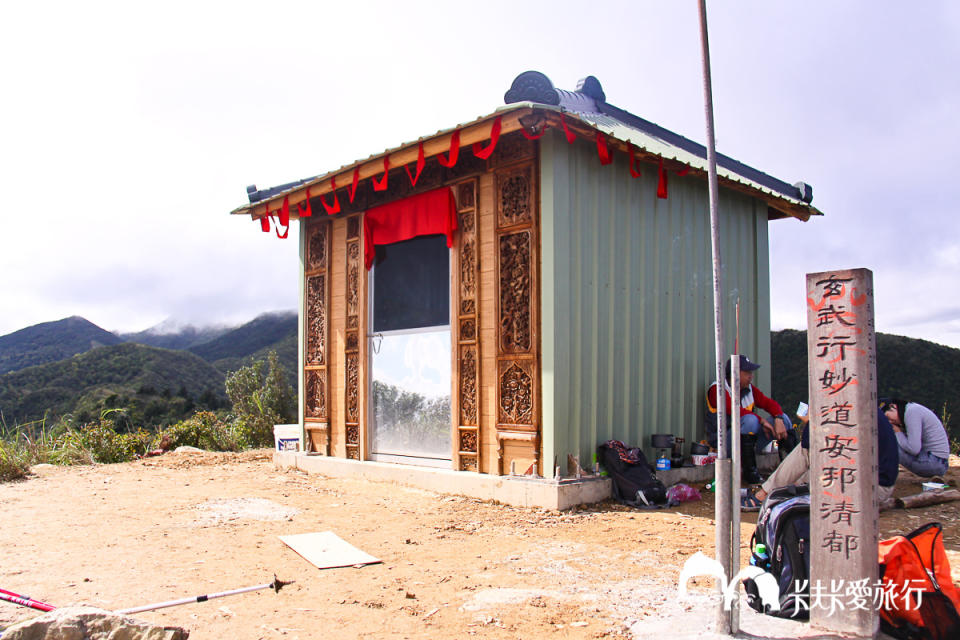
pixel 25 601
pixel 276 585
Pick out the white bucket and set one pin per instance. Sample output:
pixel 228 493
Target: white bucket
pixel 286 437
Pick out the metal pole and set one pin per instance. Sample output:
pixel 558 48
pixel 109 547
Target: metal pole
pixel 723 467
pixel 276 585
pixel 735 482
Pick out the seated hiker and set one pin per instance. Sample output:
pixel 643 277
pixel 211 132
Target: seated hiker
pixel 924 445
pixel 756 432
pixel 795 467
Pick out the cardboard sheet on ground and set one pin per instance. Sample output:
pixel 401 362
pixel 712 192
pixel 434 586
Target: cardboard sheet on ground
pixel 327 550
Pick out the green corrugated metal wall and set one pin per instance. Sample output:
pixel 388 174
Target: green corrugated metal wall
pixel 627 299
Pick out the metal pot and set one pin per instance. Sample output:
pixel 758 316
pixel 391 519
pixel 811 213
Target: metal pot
pixel 661 441
pixel 699 449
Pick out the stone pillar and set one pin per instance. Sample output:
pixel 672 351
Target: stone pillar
pixel 843 452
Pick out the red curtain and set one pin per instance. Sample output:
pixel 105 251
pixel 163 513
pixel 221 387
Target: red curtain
pixel 420 215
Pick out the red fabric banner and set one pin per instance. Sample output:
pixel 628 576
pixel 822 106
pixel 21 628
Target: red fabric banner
pixel 662 181
pixel 571 136
pixel 454 153
pixel 265 222
pixel 286 230
pixel 603 150
pixel 381 184
pixel 533 136
pixel 484 153
pixel 420 163
pixel 284 215
pixel 305 211
pixel 420 215
pixel 634 172
pixel 353 187
pixel 332 209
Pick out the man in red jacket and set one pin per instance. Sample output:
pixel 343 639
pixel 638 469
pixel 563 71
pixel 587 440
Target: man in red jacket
pixel 756 432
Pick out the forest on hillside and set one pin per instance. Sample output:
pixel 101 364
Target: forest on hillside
pixel 908 368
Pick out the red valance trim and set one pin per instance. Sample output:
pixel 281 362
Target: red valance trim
pixel 420 215
pixel 603 150
pixel 353 187
pixel 454 153
pixel 306 210
pixel 534 136
pixel 571 136
pixel 284 215
pixel 286 230
pixel 484 153
pixel 634 172
pixel 420 163
pixel 265 222
pixel 381 184
pixel 684 171
pixel 332 209
pixel 661 181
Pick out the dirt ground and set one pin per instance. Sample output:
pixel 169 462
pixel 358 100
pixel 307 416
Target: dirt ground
pixel 186 524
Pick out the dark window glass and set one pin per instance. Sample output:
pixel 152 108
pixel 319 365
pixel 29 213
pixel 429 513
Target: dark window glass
pixel 411 284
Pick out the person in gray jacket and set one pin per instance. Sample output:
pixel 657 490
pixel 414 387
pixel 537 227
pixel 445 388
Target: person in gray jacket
pixel 924 445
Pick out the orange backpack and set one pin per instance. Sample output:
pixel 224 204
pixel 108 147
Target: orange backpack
pixel 920 601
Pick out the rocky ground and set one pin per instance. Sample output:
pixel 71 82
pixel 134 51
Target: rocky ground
pixel 117 536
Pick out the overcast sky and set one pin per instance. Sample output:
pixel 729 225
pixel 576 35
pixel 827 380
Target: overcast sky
pixel 130 130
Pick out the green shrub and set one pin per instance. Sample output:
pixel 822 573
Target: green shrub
pixel 24 446
pixel 203 430
pixel 260 401
pixel 94 442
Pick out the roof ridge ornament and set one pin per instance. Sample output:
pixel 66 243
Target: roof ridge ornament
pixel 590 86
pixel 532 86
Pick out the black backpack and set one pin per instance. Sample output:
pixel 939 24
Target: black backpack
pixel 783 526
pixel 634 481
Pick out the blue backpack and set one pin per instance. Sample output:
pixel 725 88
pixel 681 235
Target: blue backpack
pixel 783 526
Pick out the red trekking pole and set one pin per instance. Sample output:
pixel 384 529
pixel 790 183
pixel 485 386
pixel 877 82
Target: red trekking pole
pixel 24 601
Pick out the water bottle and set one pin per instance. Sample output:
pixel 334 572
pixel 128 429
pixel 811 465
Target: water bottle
pixel 760 557
pixel 663 463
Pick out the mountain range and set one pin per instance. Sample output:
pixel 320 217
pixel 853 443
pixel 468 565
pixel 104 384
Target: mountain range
pixel 74 367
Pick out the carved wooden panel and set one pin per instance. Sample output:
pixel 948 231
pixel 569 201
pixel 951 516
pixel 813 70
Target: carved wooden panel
pixel 515 387
pixel 513 147
pixel 468 329
pixel 353 434
pixel 316 319
pixel 353 374
pixel 465 195
pixel 352 342
pixel 515 292
pixel 315 403
pixel 468 441
pixel 469 366
pixel 515 196
pixel 353 387
pixel 518 351
pixel 353 284
pixel 316 323
pixel 317 247
pixel 467 326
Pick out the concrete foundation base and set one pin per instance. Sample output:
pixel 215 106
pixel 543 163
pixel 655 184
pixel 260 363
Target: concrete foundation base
pixel 519 491
pixel 766 462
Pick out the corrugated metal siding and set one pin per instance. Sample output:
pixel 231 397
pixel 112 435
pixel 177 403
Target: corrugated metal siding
pixel 627 299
